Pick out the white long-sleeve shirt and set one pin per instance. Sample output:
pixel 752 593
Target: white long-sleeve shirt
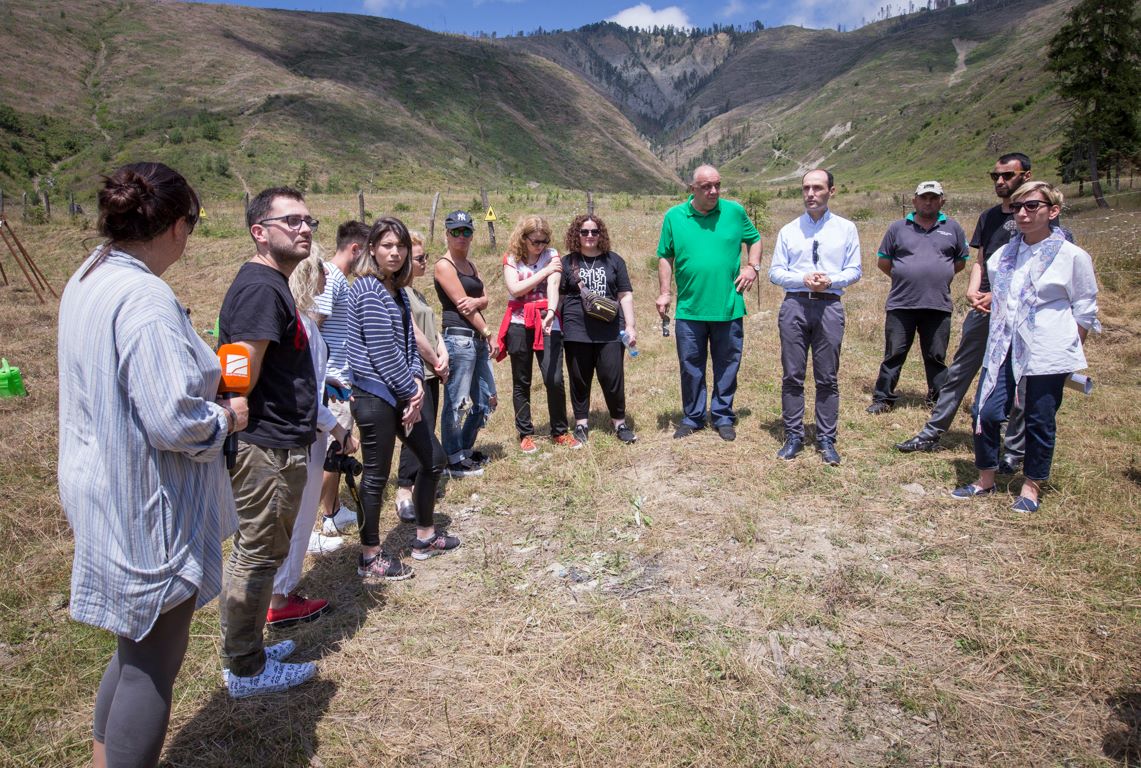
pixel 837 252
pixel 1064 297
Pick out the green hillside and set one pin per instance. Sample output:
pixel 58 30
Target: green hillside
pixel 239 96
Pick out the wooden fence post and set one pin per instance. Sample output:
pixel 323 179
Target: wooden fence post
pixel 360 203
pixel 2 201
pixel 24 205
pixel 432 221
pixel 47 206
pixel 490 224
pixel 245 206
pixel 589 203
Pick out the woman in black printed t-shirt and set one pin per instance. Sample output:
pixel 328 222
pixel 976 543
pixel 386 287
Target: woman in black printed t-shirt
pixel 593 346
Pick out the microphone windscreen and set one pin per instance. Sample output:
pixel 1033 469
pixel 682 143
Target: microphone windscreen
pixel 235 361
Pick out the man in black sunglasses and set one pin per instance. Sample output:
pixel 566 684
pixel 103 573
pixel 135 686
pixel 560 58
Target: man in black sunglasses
pixel 994 229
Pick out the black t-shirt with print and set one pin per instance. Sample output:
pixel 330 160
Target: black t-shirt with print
pixel 283 403
pixel 993 230
pixel 605 275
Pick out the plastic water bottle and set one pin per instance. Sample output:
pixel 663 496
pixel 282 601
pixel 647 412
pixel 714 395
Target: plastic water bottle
pixel 626 342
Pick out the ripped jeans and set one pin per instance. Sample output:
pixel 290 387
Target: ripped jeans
pixel 466 395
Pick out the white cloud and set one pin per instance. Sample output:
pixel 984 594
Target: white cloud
pixel 642 16
pixel 732 9
pixel 826 14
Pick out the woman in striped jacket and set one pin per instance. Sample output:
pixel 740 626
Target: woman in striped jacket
pixel 388 392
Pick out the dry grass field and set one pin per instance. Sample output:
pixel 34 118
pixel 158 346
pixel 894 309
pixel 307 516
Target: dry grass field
pixel 672 603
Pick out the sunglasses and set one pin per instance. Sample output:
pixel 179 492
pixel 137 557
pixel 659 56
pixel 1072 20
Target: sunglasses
pixel 589 232
pixel 1030 205
pixel 461 232
pixel 538 242
pixel 293 222
pixel 421 259
pixel 192 219
pixel 1005 175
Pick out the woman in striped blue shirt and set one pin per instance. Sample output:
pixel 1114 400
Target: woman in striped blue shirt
pixel 388 393
pixel 141 473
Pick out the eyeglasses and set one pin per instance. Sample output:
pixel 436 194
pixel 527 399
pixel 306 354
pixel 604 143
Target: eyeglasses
pixel 293 221
pixel 1005 175
pixel 421 259
pixel 589 232
pixel 1030 205
pixel 815 252
pixel 461 232
pixel 538 242
pixel 192 219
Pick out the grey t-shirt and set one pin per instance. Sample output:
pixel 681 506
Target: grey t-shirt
pixel 923 262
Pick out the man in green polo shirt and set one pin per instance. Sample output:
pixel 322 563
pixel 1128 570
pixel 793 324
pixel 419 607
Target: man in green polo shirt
pixel 700 248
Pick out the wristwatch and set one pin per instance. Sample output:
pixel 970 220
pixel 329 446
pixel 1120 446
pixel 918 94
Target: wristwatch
pixel 486 332
pixel 756 268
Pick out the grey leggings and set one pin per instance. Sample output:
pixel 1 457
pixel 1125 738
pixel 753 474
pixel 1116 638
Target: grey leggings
pixel 132 708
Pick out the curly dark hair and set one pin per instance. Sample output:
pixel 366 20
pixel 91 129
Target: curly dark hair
pixel 574 241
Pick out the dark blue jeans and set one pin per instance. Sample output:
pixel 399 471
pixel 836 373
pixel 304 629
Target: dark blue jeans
pixel 697 341
pixel 1043 398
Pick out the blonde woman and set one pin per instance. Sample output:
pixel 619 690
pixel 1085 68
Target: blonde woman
pixel 434 355
pixel 530 329
pixel 1043 303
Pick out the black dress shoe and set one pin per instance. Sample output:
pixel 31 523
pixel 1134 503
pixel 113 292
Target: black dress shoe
pixel 828 453
pixel 918 443
pixel 727 433
pixel 791 447
pixel 685 430
pixel 879 406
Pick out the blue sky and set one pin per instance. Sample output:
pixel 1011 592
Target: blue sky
pixel 506 17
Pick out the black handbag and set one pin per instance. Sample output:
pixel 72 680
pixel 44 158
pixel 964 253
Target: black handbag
pixel 602 308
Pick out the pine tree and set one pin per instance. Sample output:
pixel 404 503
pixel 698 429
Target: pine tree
pixel 1096 61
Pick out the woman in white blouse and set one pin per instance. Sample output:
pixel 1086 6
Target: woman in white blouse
pixel 1044 303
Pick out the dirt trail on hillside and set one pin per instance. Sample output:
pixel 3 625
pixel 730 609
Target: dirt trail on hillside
pixel 962 48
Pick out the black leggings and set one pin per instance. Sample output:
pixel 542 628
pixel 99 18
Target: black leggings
pixel 520 343
pixel 409 464
pixel 584 360
pixel 132 708
pixel 379 424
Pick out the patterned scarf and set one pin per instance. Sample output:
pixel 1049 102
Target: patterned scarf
pixel 1016 334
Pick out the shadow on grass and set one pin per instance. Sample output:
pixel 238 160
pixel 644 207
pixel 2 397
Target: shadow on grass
pixel 1123 743
pixel 672 419
pixel 279 729
pixel 1133 474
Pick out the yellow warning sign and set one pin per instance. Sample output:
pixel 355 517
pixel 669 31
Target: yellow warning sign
pixel 490 214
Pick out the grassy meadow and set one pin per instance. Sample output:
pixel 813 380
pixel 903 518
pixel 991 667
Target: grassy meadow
pixel 670 603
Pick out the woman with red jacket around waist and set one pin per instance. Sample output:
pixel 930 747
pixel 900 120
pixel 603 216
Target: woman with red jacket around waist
pixel 530 329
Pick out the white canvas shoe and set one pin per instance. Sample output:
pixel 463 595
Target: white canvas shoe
pixel 339 522
pixel 277 652
pixel 277 676
pixel 320 544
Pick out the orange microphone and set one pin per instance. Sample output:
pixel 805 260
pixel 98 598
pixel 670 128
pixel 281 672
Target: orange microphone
pixel 235 361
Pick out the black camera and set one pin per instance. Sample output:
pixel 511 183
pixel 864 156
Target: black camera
pixel 335 461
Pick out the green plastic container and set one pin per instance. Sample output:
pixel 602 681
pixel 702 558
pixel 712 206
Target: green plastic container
pixel 11 383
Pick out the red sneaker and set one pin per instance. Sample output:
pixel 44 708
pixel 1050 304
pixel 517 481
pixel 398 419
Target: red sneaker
pixel 295 611
pixel 567 440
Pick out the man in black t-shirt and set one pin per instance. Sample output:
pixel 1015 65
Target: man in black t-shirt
pixel 993 230
pixel 259 314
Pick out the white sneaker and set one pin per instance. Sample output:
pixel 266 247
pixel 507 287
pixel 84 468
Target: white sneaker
pixel 336 524
pixel 277 652
pixel 276 677
pixel 320 544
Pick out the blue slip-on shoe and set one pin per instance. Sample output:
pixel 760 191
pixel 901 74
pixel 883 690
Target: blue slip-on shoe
pixel 1023 504
pixel 971 491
